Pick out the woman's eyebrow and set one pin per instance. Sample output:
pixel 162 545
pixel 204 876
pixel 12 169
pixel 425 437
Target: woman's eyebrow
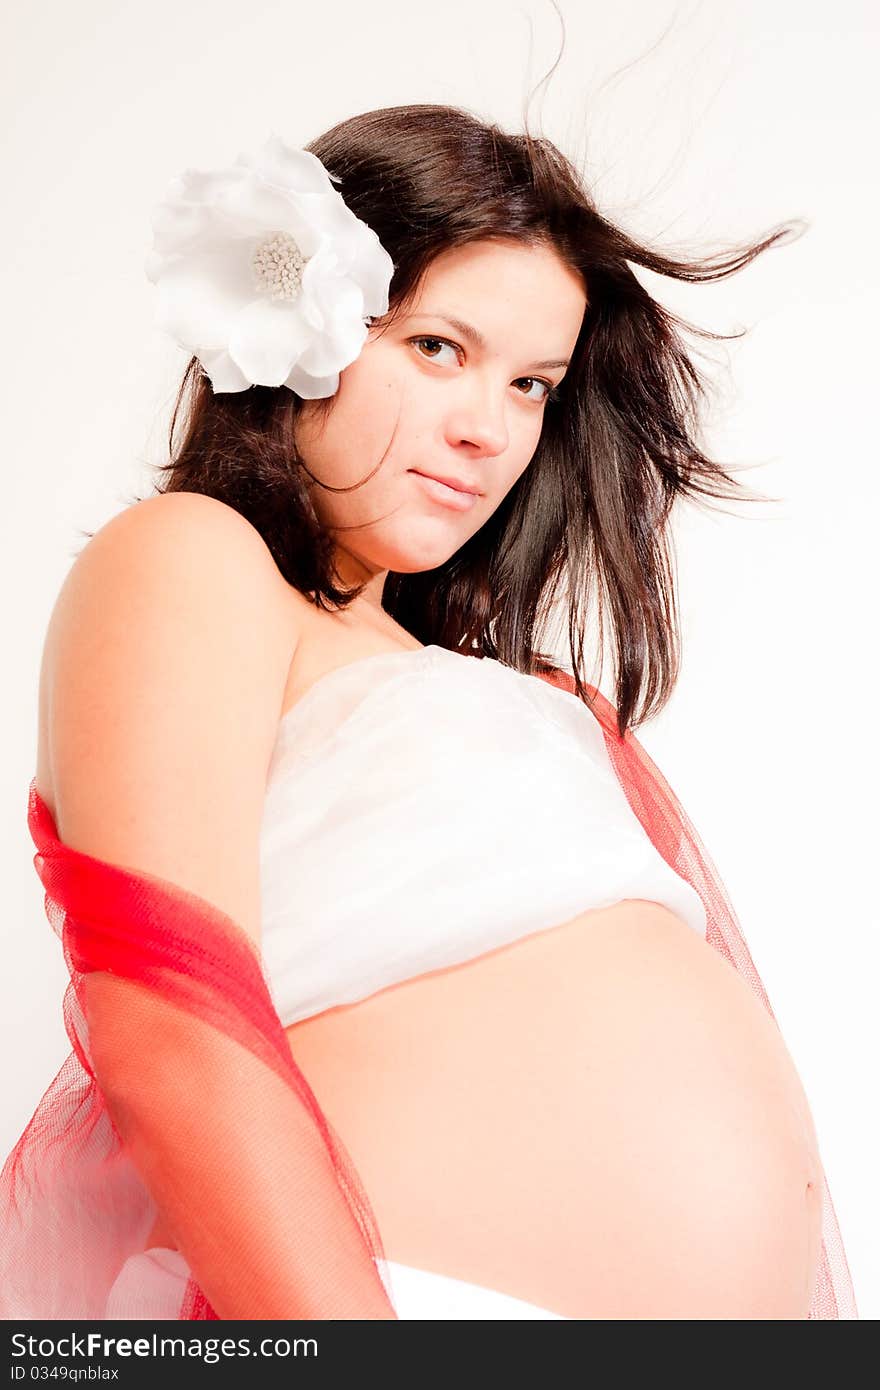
pixel 474 335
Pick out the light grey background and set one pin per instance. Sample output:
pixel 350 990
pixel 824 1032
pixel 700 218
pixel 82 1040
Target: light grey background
pixel 700 124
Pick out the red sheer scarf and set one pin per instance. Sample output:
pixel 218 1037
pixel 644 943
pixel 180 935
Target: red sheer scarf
pixel 74 1202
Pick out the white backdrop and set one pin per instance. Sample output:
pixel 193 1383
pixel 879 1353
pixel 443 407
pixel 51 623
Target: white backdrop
pixel 702 125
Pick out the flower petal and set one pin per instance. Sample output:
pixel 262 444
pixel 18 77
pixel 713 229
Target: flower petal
pixel 339 227
pixel 200 296
pixel 179 226
pixel 345 331
pixel 282 164
pixel 192 210
pixel 312 388
pixel 267 339
pixel 373 269
pixel 317 271
pixel 259 209
pixel 224 374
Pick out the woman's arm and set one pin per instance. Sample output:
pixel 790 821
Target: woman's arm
pixel 165 669
pixel 234 1162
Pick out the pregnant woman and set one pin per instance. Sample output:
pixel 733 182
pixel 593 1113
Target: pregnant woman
pixel 401 985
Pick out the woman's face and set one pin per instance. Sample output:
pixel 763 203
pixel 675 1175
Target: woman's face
pixel 465 408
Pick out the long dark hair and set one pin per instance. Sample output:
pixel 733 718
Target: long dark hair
pixel 590 512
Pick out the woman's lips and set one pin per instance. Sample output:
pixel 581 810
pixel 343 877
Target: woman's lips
pixel 444 495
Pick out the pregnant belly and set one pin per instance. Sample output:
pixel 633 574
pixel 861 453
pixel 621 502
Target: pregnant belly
pixel 467 1099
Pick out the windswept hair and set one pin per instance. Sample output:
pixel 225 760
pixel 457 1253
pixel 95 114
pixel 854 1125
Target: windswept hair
pixel 590 512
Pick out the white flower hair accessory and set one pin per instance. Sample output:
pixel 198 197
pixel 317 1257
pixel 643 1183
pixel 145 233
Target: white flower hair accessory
pixel 264 274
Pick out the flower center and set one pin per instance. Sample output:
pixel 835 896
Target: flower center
pixel 278 266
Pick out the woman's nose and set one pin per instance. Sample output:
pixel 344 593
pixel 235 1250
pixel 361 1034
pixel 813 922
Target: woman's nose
pixel 480 420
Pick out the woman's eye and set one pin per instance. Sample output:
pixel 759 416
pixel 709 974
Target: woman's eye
pixel 433 343
pixel 547 391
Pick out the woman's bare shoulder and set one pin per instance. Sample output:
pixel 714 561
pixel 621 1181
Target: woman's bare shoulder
pixel 163 677
pixel 198 518
pixel 205 534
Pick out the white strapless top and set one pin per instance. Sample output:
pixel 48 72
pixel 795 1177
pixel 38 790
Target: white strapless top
pixel 423 807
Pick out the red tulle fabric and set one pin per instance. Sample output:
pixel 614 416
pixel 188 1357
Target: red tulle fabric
pixel 75 1204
